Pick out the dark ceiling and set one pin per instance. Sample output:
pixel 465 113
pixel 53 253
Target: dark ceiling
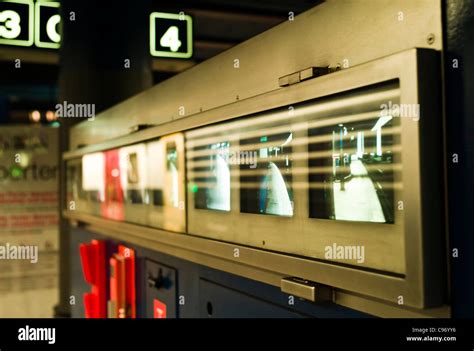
pixel 217 26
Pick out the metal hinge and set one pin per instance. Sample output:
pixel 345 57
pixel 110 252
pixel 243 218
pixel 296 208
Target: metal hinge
pixel 307 73
pixel 306 289
pixel 139 127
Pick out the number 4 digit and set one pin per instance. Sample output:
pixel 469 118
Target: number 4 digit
pixel 171 39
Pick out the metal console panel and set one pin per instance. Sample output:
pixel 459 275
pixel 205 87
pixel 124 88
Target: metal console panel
pixel 405 260
pixel 407 274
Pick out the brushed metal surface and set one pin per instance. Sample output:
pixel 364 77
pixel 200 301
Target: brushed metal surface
pixel 292 287
pixel 253 265
pixel 346 33
pixel 411 240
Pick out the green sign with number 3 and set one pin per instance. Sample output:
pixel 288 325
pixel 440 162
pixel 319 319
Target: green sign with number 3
pixel 16 22
pixel 23 23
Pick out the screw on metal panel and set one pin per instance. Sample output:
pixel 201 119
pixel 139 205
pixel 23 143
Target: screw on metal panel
pixel 430 39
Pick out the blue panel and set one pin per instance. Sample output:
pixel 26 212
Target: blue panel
pixel 217 301
pixel 191 287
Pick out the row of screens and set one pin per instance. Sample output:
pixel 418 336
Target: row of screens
pixel 347 169
pixel 139 174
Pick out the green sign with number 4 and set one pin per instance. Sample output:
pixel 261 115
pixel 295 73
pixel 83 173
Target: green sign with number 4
pixel 171 35
pixel 23 23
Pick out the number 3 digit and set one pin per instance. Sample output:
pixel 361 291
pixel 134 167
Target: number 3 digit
pixel 11 27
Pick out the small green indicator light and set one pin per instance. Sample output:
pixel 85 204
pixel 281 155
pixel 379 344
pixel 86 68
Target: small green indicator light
pixel 16 172
pixel 194 188
pixel 264 139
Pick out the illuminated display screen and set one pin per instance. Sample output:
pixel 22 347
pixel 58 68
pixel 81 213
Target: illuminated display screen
pixel 163 180
pixel 265 175
pixel 352 174
pixel 133 173
pixel 214 194
pixel 173 174
pixel 155 179
pixel 112 207
pixel 132 169
pixel 133 178
pixel 93 176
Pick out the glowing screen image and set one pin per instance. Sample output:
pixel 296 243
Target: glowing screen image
pixel 215 194
pixel 352 174
pixel 112 207
pixel 93 176
pixel 133 173
pixel 164 180
pixel 156 176
pixel 133 195
pixel 132 169
pixel 173 175
pixel 265 175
